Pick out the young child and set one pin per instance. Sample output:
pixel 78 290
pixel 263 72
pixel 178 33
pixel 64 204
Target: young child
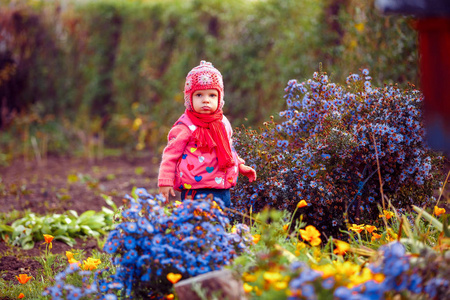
pixel 199 158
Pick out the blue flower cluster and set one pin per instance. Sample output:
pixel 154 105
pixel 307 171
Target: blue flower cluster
pixel 188 238
pixel 327 148
pixel 399 277
pixel 62 290
pixel 302 286
pixel 402 274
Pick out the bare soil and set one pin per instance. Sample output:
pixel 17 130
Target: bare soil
pixel 59 184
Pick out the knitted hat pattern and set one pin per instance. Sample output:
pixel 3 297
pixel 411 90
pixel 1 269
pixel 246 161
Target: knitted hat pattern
pixel 203 77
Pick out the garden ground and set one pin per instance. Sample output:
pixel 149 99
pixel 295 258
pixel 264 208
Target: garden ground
pixel 62 184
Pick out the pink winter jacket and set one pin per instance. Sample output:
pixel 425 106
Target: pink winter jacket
pixel 184 166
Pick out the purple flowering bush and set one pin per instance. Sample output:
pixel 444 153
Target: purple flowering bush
pixel 187 238
pixel 326 151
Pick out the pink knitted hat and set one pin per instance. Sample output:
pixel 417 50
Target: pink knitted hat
pixel 203 77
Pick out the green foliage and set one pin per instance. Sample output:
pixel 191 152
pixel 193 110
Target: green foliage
pixel 92 68
pixel 28 230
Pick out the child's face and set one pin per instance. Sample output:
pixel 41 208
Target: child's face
pixel 205 101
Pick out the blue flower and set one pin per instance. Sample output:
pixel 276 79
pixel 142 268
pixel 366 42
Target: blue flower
pixel 103 285
pixel 129 256
pixel 130 242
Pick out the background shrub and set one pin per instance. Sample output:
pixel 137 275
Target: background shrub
pixel 95 67
pixel 324 152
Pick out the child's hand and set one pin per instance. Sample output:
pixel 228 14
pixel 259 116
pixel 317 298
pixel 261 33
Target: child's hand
pixel 248 172
pixel 166 191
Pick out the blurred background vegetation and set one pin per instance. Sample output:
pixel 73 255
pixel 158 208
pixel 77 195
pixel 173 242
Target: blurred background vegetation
pixel 105 77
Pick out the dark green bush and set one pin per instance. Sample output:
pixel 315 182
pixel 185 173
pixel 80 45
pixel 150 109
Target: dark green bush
pixel 329 148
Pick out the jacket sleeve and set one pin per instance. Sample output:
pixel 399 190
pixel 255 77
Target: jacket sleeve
pixel 178 138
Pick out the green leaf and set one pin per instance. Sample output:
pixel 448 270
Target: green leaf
pixel 73 213
pixel 436 223
pixel 445 225
pixel 68 240
pixel 108 200
pixel 27 242
pixel 6 228
pixel 60 231
pixel 107 211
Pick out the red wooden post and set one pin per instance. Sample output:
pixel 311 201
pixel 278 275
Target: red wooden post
pixel 434 51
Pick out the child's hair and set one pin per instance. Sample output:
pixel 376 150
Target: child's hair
pixel 203 77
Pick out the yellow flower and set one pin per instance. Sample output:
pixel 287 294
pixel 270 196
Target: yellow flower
pixel 174 278
pixel 327 270
pixel 359 27
pixel 91 264
pixel 280 285
pixel 357 228
pixel 249 277
pixel 301 204
pixel 256 238
pixel 370 228
pixel 247 287
pixel 74 261
pixel 136 124
pixel 258 292
pixel 233 229
pixel 360 277
pixel 272 276
pixel 341 247
pixel 23 278
pixel 439 211
pixel 299 246
pixel 387 214
pixel 349 268
pixel 311 234
pixel 285 227
pixel 375 236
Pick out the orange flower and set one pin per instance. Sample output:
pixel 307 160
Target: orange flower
pixel 21 295
pixel 174 278
pixel 387 214
pixel 439 211
pixel 256 238
pixel 341 247
pixel 370 228
pixel 70 255
pixel 48 238
pixel 375 236
pixel 302 203
pixel 91 264
pixel 311 234
pixel 170 297
pixel 23 278
pixel 357 228
pixel 285 227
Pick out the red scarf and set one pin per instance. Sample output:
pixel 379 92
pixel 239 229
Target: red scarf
pixel 211 133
